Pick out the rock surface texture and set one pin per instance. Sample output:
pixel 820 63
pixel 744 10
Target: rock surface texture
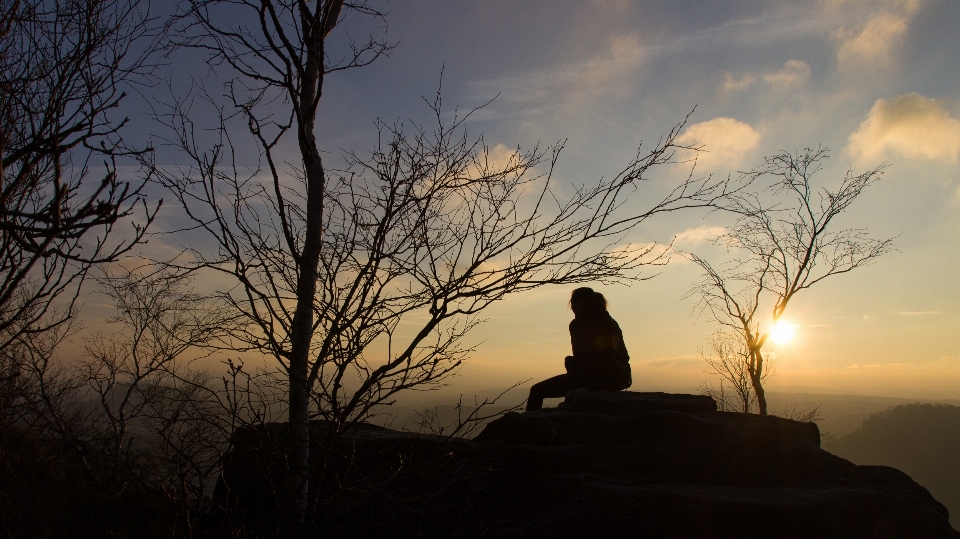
pixel 611 465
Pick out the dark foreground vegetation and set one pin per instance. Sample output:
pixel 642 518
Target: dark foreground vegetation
pixel 923 440
pixel 45 491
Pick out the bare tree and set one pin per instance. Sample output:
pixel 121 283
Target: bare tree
pixel 278 51
pixel 160 424
pixel 363 282
pixel 470 419
pixel 134 369
pixel 43 398
pixel 729 359
pixel 785 242
pixel 63 67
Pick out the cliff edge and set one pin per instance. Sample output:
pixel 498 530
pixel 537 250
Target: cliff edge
pixel 600 465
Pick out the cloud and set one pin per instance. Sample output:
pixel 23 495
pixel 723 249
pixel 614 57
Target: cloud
pixel 873 45
pixel 609 74
pixel 725 141
pixel 912 125
pixel 649 253
pixel 909 6
pixel 654 253
pixel 626 47
pixel 793 72
pixel 612 71
pixel 678 362
pixel 499 157
pixel 695 236
pixel 871 366
pixel 731 85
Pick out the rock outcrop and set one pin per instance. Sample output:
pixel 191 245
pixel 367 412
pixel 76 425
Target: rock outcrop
pixel 922 440
pixel 609 465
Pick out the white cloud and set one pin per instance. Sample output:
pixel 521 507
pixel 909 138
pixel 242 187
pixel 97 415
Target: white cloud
pixel 643 253
pixel 611 73
pixel 731 84
pixel 654 253
pixel 793 72
pixel 874 44
pixel 678 362
pixel 908 6
pixel 695 236
pixel 499 157
pixel 911 125
pixel 725 141
pixel 626 47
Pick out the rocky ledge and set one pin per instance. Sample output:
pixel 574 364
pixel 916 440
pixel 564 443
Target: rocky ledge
pixel 603 465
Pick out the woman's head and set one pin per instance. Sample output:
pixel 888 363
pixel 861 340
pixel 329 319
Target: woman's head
pixel 585 302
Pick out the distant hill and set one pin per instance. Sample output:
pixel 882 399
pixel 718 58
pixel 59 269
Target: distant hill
pixel 922 440
pixel 426 410
pixel 841 414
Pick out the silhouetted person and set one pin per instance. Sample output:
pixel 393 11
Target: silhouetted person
pixel 599 361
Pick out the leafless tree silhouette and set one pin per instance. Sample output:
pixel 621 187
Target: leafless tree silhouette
pixel 362 282
pixel 277 52
pixel 134 370
pixel 728 358
pixel 63 69
pixel 786 243
pixel 134 414
pixel 162 424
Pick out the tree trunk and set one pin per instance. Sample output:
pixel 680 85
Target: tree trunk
pixel 756 375
pixel 301 337
pixel 315 30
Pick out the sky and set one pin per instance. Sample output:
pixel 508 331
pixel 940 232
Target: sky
pixel 875 81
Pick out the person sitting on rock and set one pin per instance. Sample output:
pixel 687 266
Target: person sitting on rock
pixel 599 361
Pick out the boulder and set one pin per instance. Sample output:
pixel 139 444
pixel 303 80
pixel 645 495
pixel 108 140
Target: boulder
pixel 614 465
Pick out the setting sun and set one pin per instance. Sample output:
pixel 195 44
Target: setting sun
pixel 782 332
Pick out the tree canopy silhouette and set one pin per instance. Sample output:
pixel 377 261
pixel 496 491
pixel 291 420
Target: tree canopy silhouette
pixel 65 67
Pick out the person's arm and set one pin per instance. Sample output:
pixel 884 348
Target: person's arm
pixel 579 340
pixel 620 347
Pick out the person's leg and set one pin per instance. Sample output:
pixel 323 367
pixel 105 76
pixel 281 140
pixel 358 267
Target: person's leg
pixel 551 388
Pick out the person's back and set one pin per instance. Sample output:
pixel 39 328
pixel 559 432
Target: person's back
pixel 598 337
pixel 600 360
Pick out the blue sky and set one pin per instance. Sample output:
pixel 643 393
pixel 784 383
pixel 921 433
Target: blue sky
pixel 874 80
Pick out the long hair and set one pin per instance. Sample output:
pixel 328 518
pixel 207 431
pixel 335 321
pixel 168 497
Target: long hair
pixel 586 303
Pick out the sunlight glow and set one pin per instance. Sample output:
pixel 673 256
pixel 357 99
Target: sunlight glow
pixel 782 332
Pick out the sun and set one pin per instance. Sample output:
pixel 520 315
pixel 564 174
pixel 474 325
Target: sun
pixel 782 332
